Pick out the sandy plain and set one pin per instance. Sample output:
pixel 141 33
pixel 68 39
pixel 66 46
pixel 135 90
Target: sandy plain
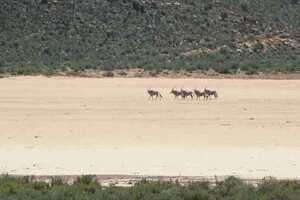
pixel 72 126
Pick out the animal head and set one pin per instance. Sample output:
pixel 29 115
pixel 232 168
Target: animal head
pixel 216 94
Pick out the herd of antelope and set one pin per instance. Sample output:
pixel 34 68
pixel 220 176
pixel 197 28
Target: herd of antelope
pixel 184 94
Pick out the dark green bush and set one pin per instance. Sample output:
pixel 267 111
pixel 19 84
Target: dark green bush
pixel 108 74
pixel 85 188
pixel 56 181
pixel 85 180
pixel 115 34
pixel 122 73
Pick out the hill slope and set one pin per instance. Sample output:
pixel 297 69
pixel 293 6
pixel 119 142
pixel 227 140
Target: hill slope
pixel 225 35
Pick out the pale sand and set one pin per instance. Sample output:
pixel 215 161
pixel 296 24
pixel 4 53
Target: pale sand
pixel 60 125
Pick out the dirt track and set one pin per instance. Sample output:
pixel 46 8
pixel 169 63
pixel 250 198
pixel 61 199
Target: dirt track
pixel 108 126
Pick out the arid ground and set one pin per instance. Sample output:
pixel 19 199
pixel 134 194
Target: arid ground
pixel 63 125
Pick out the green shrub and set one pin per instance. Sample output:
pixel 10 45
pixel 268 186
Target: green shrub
pixel 117 34
pixel 108 74
pixel 85 180
pixel 122 73
pixel 40 186
pixel 85 188
pixel 258 47
pixel 56 181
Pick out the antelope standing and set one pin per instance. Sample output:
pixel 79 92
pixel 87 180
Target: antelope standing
pixel 210 93
pixel 185 94
pixel 153 93
pixel 199 94
pixel 176 93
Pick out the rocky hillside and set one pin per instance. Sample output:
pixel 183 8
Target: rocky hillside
pixel 44 36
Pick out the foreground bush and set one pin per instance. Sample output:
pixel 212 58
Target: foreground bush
pixel 86 188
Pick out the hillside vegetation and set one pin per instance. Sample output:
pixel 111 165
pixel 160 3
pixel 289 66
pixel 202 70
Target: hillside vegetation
pixel 228 36
pixel 85 188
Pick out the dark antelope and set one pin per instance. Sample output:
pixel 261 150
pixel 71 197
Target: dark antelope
pixel 210 93
pixel 153 93
pixel 185 94
pixel 200 94
pixel 176 93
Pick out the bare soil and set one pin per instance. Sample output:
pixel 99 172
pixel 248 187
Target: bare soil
pixel 73 126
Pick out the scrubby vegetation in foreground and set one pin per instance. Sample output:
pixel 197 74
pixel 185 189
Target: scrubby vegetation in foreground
pixel 228 36
pixel 85 188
